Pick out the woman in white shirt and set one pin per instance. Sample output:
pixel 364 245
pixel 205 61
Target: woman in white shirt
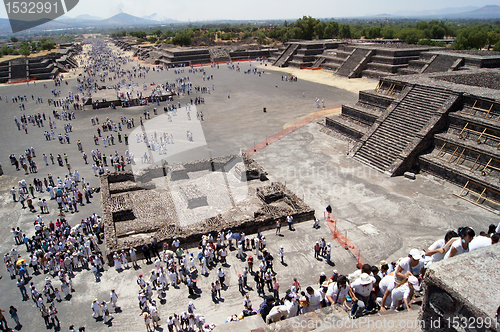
pixel 461 245
pixel 403 291
pixel 337 291
pixel 439 248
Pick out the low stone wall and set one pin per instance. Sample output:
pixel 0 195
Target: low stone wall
pixel 461 293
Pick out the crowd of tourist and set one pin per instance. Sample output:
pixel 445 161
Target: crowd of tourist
pixel 59 250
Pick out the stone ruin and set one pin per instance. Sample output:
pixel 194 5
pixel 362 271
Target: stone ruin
pixel 188 200
pixel 461 293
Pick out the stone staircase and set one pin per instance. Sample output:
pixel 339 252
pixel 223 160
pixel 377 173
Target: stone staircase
pixel 319 61
pixel 355 120
pixel 352 62
pixel 286 55
pixel 219 54
pixel 335 58
pixel 442 63
pixel 398 134
pixel 306 55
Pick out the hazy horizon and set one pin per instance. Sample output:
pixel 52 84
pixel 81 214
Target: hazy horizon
pixel 257 10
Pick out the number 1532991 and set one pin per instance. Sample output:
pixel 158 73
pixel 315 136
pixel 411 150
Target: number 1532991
pixel 31 7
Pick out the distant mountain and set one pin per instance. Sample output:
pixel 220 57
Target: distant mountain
pixel 124 19
pixel 469 12
pixel 486 12
pixel 159 18
pixel 429 12
pixel 87 17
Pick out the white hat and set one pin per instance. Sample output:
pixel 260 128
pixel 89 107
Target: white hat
pixel 415 254
pixel 414 281
pixel 365 279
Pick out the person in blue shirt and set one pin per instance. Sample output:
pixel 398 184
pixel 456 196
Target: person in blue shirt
pixel 266 307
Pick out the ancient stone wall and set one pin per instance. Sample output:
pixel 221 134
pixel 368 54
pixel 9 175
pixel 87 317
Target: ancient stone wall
pixel 135 210
pixel 461 293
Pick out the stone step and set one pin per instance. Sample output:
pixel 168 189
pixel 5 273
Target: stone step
pixel 394 60
pixel 376 74
pixel 374 162
pixel 364 115
pixel 383 67
pixel 348 66
pixel 376 99
pixel 346 127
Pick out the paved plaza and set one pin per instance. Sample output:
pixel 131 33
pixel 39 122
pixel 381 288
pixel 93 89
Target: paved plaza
pixel 384 217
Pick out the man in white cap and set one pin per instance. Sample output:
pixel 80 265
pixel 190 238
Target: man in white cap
pixel 411 265
pixel 96 308
pixel 282 254
pixel 328 251
pixel 113 297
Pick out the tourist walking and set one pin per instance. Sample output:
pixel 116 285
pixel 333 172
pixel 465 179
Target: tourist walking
pixel 14 316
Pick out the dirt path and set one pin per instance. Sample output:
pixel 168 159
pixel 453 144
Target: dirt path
pixel 325 77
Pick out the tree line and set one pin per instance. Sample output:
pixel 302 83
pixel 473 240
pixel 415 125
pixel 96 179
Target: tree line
pixel 27 47
pixel 468 34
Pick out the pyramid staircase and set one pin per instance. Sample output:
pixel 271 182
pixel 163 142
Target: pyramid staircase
pixel 401 133
pixel 219 54
pixel 283 59
pixel 350 67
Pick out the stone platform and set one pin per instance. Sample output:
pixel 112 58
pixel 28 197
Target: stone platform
pixel 188 200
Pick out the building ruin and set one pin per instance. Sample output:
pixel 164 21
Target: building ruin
pixel 188 200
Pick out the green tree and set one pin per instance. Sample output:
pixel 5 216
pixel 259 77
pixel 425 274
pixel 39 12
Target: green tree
pixel 319 30
pixel 410 36
pixel 157 32
pixel 493 37
pixel 345 31
pixel 471 38
pixel 438 32
pixel 497 47
pixel 25 50
pixel 331 30
pixel 14 39
pixel 261 37
pixel 374 32
pixel 152 39
pixel 6 50
pixel 138 34
pixel 182 39
pixel 47 45
pixel 422 25
pixel 387 32
pixel 306 24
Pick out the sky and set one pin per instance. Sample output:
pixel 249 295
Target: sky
pixel 202 10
